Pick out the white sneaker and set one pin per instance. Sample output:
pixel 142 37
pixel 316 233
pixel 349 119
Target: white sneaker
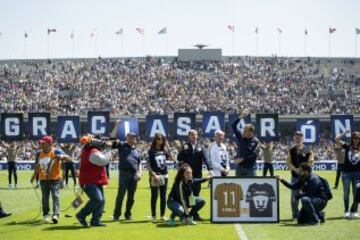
pixel 46 219
pixel 354 215
pixel 347 215
pixel 165 219
pixel 153 219
pixel 16 186
pixel 55 219
pixel 9 186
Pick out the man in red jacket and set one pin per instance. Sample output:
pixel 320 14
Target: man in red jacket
pixel 92 178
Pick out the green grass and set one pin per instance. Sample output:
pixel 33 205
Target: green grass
pixel 24 206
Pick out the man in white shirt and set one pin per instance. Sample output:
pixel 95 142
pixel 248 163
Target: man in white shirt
pixel 218 155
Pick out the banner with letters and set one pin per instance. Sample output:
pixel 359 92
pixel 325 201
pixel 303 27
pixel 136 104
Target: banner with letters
pixel 98 123
pixel 183 123
pixel 310 128
pixel 247 199
pixel 39 125
pixel 267 126
pixel 12 126
pixel 339 123
pixel 156 124
pixel 212 121
pixel 127 124
pixel 240 126
pixel 68 129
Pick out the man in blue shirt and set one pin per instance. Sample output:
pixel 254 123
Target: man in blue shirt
pixel 129 171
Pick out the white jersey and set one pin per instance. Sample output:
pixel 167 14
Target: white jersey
pixel 219 158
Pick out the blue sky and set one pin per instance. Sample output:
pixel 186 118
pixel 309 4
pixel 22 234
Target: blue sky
pixel 188 22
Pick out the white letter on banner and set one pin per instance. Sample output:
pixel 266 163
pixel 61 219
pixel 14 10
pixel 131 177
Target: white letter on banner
pixel 308 127
pixel 157 127
pixel 94 120
pixel 69 129
pixel 183 126
pixel 267 125
pixel 12 127
pixel 213 124
pixel 340 128
pixel 126 127
pixel 39 125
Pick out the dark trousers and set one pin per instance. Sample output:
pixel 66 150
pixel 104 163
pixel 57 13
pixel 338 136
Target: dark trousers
pixel 12 170
pixel 178 210
pixel 338 174
pixel 350 179
pixel 70 166
pixel 154 196
pixel 107 167
pixel 268 167
pixel 127 183
pixel 310 211
pixel 96 203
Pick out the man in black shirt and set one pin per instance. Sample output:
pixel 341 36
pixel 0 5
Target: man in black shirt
pixel 193 154
pixel 129 172
pixel 297 155
pixel 312 194
pixel 248 148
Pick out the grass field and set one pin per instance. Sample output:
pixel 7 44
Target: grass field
pixel 25 206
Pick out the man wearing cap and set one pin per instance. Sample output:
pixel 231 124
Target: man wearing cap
pixel 48 169
pixel 129 171
pixel 297 154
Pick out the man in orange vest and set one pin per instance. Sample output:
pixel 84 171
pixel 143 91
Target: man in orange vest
pixel 48 169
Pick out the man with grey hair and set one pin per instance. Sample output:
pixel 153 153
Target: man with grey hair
pixel 218 155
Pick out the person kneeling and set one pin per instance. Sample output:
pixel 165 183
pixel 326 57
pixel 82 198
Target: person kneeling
pixel 181 200
pixel 314 195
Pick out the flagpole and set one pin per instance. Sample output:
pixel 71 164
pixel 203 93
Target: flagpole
pixel 329 44
pixel 25 48
pixel 48 46
pixel 305 39
pixel 257 44
pixel 279 44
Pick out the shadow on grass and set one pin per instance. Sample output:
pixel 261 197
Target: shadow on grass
pixel 65 227
pixel 26 222
pixel 166 225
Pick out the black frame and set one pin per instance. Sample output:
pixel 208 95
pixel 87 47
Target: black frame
pixel 254 177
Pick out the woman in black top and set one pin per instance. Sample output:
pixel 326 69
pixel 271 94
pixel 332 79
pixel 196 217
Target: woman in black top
pixel 351 171
pixel 158 171
pixel 181 198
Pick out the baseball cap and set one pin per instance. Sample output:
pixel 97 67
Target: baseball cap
pixel 46 139
pixel 299 133
pixel 131 134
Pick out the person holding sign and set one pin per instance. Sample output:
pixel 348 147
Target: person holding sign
pixel 182 200
pixel 12 151
pixel 158 171
pixel 49 170
pixel 340 157
pixel 268 152
pixel 298 154
pixel 350 171
pixel 248 147
pixel 129 171
pixel 219 156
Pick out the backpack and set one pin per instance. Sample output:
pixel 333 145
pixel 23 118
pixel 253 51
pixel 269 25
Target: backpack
pixel 327 189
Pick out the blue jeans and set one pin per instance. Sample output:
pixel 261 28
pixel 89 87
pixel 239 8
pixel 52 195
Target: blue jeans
pixel 96 203
pixel 127 183
pixel 294 201
pixel 350 178
pixel 53 187
pixel 310 211
pixel 245 172
pixel 178 210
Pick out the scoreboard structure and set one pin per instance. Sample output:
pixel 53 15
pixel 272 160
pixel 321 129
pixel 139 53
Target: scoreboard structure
pixel 245 199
